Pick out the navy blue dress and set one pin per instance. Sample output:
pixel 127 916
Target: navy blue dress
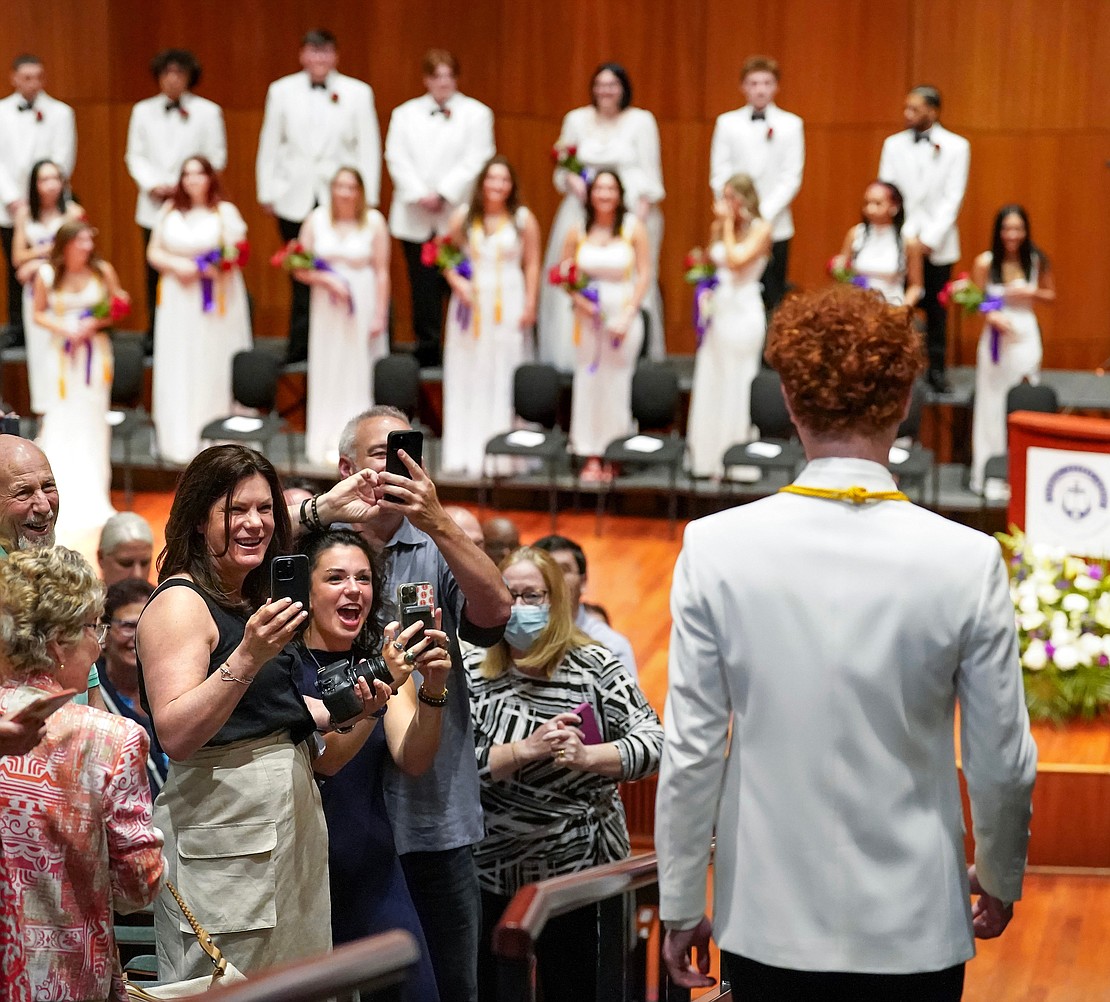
pixel 368 890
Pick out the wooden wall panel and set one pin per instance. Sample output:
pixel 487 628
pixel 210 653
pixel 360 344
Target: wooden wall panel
pixel 1022 80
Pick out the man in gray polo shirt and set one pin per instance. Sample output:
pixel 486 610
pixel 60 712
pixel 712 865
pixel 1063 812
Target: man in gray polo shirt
pixel 436 817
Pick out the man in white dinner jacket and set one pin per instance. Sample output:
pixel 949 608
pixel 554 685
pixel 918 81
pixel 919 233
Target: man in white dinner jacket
pixel 315 122
pixel 834 626
pixel 33 127
pixel 435 147
pixel 929 165
pixel 768 144
pixel 164 131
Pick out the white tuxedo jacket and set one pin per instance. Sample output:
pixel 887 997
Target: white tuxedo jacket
pixel 427 152
pixel 45 132
pixel 308 134
pixel 932 176
pixel 837 640
pixel 771 152
pixel 160 141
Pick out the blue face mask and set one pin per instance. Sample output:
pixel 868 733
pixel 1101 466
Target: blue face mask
pixel 526 623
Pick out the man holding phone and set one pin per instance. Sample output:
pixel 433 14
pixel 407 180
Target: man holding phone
pixel 437 817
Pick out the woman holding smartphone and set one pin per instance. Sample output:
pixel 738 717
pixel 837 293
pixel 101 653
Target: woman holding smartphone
pixel 558 723
pixel 245 836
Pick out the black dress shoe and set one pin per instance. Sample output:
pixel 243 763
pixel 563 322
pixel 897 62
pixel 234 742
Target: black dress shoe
pixel 939 381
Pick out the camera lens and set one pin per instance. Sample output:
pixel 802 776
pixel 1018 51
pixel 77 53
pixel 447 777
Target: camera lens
pixel 337 689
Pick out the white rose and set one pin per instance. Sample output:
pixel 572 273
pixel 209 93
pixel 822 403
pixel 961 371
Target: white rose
pixel 1032 620
pixel 1059 622
pixel 1073 567
pixel 1048 594
pixel 1028 603
pixel 1102 611
pixel 1085 583
pixel 1090 644
pixel 1075 603
pixel 1066 658
pixel 1035 657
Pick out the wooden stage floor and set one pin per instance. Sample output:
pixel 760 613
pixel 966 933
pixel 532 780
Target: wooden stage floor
pixel 1053 951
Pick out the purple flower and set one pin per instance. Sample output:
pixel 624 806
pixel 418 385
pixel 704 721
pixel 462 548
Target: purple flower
pixel 860 282
pixel 1094 572
pixel 1049 649
pixel 1103 661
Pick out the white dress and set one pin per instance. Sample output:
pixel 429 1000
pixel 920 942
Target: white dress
pixel 601 394
pixel 193 348
pixel 37 339
pixel 1019 357
pixel 75 433
pixel 726 364
pixel 630 146
pixel 480 356
pixel 341 350
pixel 878 257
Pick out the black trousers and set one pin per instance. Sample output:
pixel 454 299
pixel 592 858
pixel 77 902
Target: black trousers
pixel 774 275
pixel 566 954
pixel 429 293
pixel 297 350
pixel 936 315
pixel 755 982
pixel 152 277
pixel 15 290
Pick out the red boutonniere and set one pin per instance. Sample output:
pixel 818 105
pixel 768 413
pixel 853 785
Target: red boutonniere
pixel 936 150
pixel 38 116
pixel 334 98
pixel 184 113
pixel 770 133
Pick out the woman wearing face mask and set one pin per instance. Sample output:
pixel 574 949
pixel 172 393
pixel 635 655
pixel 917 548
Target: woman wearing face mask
pixel 549 775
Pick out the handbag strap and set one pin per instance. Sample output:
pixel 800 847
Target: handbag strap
pixel 207 943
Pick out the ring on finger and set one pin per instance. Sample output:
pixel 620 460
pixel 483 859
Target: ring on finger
pixel 410 658
pixel 561 754
pixel 397 645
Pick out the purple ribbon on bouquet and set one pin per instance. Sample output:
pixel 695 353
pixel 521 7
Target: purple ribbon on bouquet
pixel 207 285
pixel 987 306
pixel 591 293
pixel 68 348
pixel 702 289
pixel 319 264
pixel 463 310
pixel 861 282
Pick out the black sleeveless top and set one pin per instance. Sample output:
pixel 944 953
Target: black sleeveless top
pixel 271 703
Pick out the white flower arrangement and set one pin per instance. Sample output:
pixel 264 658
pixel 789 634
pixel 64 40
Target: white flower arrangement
pixel 1062 605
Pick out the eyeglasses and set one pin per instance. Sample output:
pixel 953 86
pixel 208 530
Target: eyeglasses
pixel 100 630
pixel 529 597
pixel 124 625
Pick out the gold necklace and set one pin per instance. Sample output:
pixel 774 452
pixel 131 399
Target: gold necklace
pixel 853 495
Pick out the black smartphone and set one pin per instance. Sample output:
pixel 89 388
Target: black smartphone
pixel 412 442
pixel 416 601
pixel 289 578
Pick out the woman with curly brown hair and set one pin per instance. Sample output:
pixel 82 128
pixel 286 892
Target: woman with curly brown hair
pixel 832 629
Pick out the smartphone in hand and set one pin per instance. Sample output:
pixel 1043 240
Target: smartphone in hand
pixel 591 733
pixel 289 578
pixel 412 443
pixel 416 601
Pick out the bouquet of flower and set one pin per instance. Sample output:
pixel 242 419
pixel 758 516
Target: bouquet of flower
pixel 1062 605
pixel 566 158
pixel 702 275
pixel 567 277
pixel 445 255
pixel 971 299
pixel 114 308
pixel 845 274
pixel 294 257
pixel 223 259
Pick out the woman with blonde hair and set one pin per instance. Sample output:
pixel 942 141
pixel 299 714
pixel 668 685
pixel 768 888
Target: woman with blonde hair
pixel 558 723
pixel 729 352
pixel 75 815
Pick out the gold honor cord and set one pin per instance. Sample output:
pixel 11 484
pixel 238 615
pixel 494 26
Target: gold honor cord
pixel 853 495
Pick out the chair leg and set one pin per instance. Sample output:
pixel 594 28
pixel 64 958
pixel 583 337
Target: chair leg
pixel 602 494
pixel 128 486
pixel 553 493
pixel 672 508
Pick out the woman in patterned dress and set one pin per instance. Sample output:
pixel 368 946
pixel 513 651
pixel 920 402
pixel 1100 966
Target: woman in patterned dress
pixel 549 767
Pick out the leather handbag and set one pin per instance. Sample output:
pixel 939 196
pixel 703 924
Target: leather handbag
pixel 223 971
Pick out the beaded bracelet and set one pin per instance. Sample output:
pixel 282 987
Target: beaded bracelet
pixel 424 697
pixel 378 714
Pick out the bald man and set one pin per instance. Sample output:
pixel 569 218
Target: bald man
pixel 466 520
pixel 501 537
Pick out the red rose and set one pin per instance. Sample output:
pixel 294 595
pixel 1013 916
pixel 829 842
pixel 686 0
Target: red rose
pixel 226 265
pixel 572 151
pixel 243 250
pixel 555 275
pixel 830 266
pixel 38 116
pixel 556 154
pixel 770 133
pixel 944 297
pixel 572 273
pixel 428 254
pixel 334 98
pixel 118 308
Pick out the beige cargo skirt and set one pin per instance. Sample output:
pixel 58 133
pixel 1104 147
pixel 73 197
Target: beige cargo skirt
pixel 247 847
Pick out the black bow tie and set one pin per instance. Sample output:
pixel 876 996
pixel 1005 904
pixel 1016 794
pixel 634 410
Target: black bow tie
pixel 27 106
pixel 173 106
pixel 759 116
pixel 922 137
pixel 322 85
pixel 445 112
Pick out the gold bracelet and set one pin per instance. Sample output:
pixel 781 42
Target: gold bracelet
pixel 512 752
pixel 426 697
pixel 227 676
